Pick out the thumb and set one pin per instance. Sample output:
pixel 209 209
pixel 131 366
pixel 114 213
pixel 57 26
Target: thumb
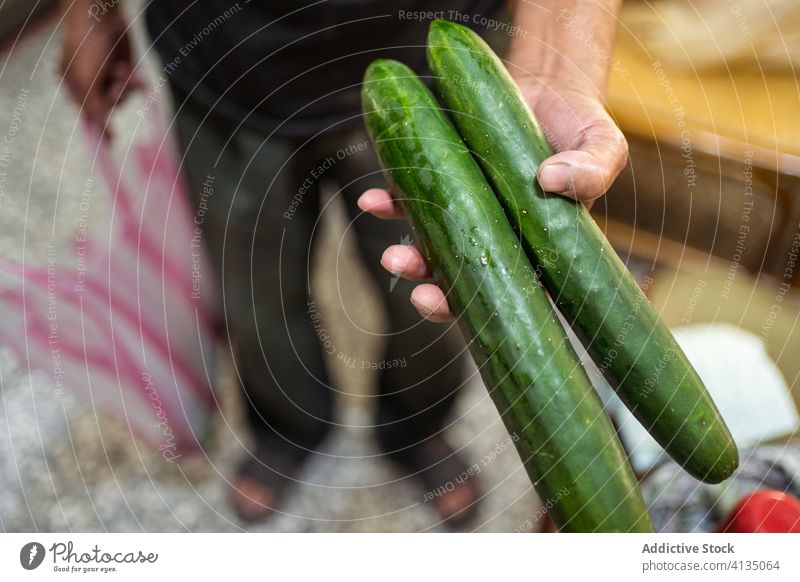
pixel 586 171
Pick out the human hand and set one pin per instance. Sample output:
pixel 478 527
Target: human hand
pixel 96 60
pixel 560 60
pixel 590 149
pixel 590 153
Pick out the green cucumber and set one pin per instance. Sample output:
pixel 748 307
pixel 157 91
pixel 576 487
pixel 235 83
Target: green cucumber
pixel 588 282
pixel 566 441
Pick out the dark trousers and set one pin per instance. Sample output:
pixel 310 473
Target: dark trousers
pixel 258 229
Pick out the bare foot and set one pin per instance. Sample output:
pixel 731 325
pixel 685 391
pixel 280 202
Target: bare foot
pixel 252 500
pixel 456 506
pixel 260 482
pixel 446 474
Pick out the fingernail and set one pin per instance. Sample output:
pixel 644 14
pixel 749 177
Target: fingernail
pixel 554 177
pixel 397 264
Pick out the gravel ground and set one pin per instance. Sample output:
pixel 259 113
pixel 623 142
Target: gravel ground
pixel 64 467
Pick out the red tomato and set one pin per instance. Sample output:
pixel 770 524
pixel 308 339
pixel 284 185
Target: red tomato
pixel 764 511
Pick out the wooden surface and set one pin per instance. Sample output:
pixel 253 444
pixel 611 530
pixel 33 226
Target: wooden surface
pixel 727 113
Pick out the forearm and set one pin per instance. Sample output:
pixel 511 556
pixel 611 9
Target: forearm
pixel 568 42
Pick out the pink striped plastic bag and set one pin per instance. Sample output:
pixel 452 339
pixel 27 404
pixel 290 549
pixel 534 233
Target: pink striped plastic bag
pixel 123 317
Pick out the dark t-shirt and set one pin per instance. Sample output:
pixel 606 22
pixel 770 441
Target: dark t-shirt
pixel 293 66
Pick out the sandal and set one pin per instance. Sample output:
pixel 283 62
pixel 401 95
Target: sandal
pixel 260 484
pixel 451 483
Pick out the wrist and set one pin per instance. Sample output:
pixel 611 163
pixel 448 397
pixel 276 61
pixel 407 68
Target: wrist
pixel 566 44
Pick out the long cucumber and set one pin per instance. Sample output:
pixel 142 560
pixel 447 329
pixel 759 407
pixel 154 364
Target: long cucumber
pixel 588 282
pixel 566 441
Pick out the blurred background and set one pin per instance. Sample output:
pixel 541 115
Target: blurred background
pixel 707 213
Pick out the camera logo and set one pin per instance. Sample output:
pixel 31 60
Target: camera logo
pixel 31 555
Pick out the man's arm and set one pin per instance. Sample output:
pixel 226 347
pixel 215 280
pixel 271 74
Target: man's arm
pixel 561 61
pixel 564 42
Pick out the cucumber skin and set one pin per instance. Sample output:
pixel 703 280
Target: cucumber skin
pixel 566 439
pixel 587 280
